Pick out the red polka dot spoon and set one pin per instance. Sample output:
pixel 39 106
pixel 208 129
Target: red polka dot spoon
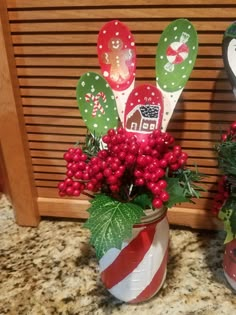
pixel 117 59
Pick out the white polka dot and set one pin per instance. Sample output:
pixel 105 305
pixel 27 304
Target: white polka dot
pixel 175 28
pixel 165 39
pixel 116 22
pixel 189 26
pixel 183 68
pixel 139 100
pixel 117 33
pixel 157 78
pixel 104 31
pixel 173 83
pixel 176 37
pixel 184 76
pixel 132 43
pixel 161 57
pixel 190 61
pixel 97 77
pixel 106 127
pixel 136 93
pixel 165 86
pixel 106 106
pixel 108 119
pixel 106 74
pixel 194 47
pixel 100 46
pixel 86 110
pixel 95 125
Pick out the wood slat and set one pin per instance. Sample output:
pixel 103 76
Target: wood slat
pixel 71 93
pixel 78 50
pixel 77 72
pixel 106 13
pixel 152 38
pixel 94 26
pixel 19 4
pixel 93 61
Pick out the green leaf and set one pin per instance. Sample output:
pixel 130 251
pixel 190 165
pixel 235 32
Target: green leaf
pixel 144 201
pixel 175 191
pixel 110 222
pixel 228 215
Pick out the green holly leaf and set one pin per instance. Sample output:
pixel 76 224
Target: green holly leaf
pixel 175 191
pixel 110 222
pixel 144 201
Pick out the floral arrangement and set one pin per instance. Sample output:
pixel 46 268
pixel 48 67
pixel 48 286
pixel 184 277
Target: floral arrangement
pixel 224 206
pixel 129 163
pixel 124 177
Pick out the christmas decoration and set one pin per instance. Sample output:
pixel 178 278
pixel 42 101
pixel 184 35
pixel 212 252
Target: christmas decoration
pixel 175 58
pixel 131 169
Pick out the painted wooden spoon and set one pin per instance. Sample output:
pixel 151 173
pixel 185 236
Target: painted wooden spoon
pixel 175 58
pixel 96 103
pixel 117 59
pixel 144 111
pixel 229 54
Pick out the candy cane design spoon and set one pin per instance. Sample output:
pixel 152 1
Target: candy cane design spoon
pixel 117 59
pixel 175 58
pixel 229 54
pixel 96 103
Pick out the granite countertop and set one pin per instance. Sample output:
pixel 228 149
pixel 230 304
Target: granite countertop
pixel 52 269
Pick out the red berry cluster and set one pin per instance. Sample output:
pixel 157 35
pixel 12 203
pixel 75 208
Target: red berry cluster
pixel 221 196
pixel 125 166
pixel 230 134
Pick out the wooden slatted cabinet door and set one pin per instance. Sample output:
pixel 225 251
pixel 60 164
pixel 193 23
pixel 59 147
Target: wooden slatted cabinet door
pixel 15 159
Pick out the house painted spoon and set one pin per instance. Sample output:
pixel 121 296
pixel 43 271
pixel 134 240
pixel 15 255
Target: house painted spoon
pixel 117 59
pixel 229 54
pixel 143 111
pixel 175 58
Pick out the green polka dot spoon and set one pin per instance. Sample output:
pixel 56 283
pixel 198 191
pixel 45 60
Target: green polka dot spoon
pixel 96 103
pixel 229 54
pixel 175 58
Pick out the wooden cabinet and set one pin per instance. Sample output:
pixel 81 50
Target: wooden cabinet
pixel 47 45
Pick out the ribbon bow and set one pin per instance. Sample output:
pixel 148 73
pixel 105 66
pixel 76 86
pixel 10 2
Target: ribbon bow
pixel 96 104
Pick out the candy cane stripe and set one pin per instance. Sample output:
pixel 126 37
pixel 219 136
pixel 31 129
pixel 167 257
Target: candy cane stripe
pixel 156 282
pixel 145 274
pixel 125 262
pixel 96 104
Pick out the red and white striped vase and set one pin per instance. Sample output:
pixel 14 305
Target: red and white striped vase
pixel 229 263
pixel 137 272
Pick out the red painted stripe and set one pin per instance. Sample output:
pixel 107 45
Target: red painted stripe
pixel 129 258
pixel 153 286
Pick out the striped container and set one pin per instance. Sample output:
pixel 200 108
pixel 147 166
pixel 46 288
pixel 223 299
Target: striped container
pixel 137 272
pixel 229 263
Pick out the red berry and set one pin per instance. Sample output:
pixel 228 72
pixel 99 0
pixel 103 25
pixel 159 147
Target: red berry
pixel 157 203
pixel 164 196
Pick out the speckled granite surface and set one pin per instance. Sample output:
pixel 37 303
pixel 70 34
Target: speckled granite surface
pixel 52 269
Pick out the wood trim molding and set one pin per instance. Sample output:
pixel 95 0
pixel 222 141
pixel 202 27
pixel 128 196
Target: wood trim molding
pixel 15 152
